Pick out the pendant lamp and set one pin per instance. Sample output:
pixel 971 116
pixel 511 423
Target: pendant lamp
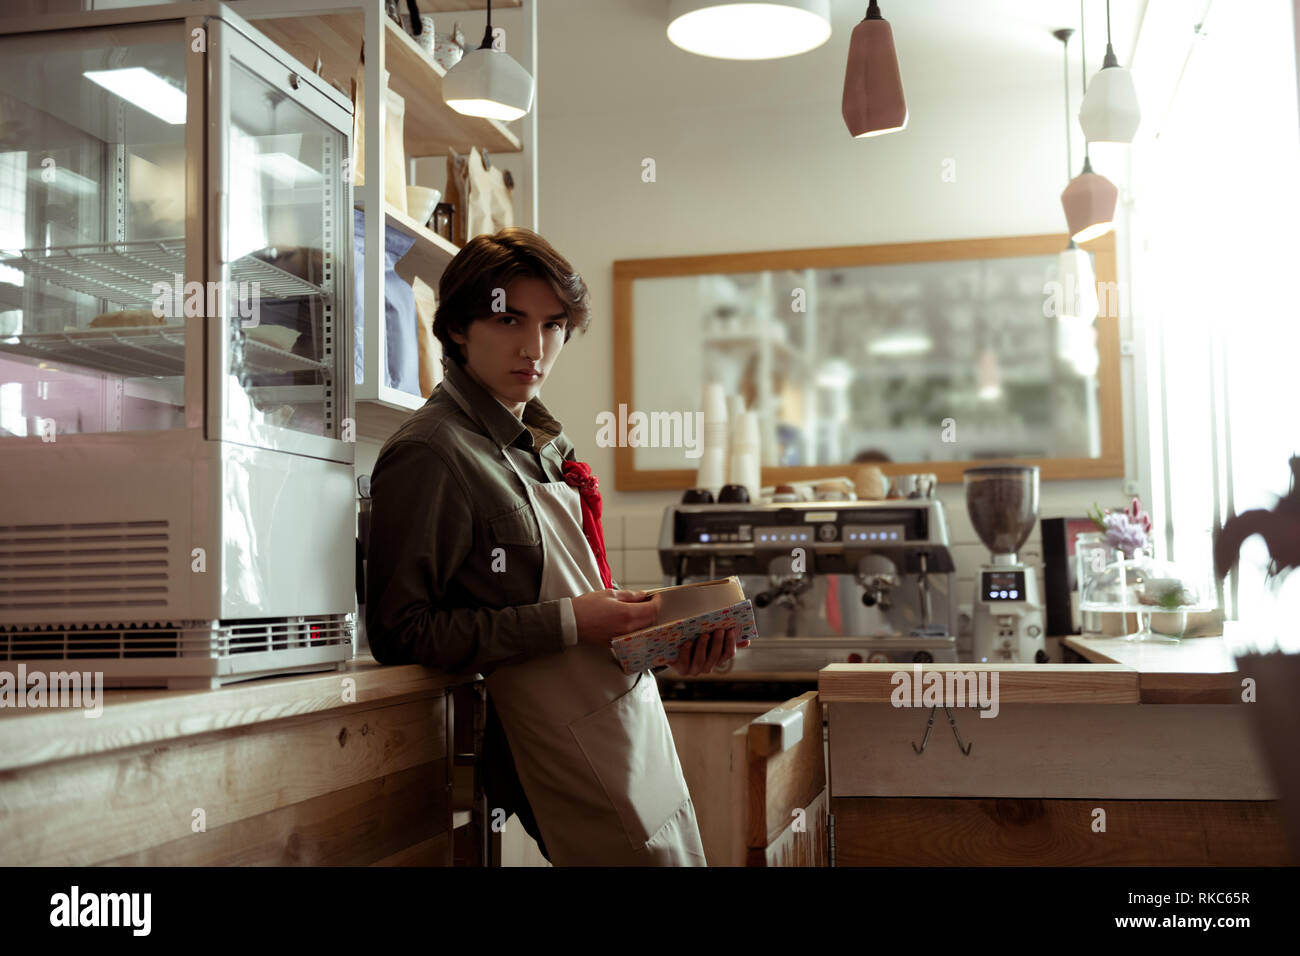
pixel 488 82
pixel 1089 200
pixel 754 30
pixel 873 101
pixel 1110 112
pixel 1074 267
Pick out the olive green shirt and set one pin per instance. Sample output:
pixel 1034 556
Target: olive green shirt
pixel 438 590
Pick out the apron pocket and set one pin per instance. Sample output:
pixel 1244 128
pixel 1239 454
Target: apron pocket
pixel 629 747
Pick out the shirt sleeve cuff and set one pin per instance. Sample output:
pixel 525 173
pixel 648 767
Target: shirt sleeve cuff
pixel 568 622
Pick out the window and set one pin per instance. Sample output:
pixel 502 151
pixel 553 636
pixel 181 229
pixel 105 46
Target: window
pixel 1218 194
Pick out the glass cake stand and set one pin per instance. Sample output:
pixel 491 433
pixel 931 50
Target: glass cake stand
pixel 1143 586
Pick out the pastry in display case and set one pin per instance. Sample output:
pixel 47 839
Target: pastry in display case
pixel 175 349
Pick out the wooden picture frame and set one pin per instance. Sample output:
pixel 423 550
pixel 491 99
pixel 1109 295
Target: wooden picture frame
pixel 1110 464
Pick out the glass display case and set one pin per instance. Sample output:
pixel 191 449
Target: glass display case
pixel 175 340
pixel 102 192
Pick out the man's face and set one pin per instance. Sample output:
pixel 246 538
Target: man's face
pixel 528 335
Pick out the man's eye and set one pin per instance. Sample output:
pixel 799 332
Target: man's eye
pixel 559 326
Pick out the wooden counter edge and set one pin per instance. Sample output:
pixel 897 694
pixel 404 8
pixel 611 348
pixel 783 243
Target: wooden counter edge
pixel 1017 683
pixel 132 718
pixel 1171 687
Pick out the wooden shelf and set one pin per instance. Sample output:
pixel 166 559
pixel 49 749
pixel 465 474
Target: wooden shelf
pixel 430 254
pixel 377 418
pixel 454 6
pixel 431 125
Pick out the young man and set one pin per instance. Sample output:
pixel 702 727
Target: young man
pixel 479 561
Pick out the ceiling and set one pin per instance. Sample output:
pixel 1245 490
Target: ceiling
pixel 948 50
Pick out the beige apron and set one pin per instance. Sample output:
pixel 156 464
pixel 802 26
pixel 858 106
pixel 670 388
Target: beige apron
pixel 591 745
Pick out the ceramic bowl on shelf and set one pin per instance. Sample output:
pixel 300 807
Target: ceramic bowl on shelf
pixel 421 202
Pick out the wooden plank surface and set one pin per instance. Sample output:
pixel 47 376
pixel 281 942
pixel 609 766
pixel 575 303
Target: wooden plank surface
pixel 976 832
pixel 1118 752
pixel 132 718
pixel 800 843
pixel 79 812
pixel 702 734
pixel 1017 683
pixel 1197 670
pixel 382 818
pixel 432 852
pixel 784 781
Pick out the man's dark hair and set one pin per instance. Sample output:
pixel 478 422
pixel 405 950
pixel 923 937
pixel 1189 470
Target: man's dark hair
pixel 486 263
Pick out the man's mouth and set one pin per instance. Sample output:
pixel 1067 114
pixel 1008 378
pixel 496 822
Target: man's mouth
pixel 526 375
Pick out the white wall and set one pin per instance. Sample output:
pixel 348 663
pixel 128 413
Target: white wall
pixel 754 156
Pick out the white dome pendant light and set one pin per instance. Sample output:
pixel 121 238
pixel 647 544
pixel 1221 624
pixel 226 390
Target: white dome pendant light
pixel 488 82
pixel 873 101
pixel 1110 112
pixel 1089 200
pixel 754 30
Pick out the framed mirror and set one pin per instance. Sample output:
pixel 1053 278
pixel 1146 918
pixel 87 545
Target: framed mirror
pixel 926 356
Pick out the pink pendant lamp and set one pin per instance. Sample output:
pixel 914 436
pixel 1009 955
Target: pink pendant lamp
pixel 1089 200
pixel 873 88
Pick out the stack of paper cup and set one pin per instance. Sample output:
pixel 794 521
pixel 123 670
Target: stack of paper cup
pixel 712 472
pixel 745 460
pixel 735 411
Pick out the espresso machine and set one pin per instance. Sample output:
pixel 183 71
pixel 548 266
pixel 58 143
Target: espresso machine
pixel 1002 501
pixel 831 581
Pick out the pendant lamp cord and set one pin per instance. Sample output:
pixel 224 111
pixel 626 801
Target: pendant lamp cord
pixel 1110 59
pixel 1083 72
pixel 1083 51
pixel 1069 150
pixel 487 31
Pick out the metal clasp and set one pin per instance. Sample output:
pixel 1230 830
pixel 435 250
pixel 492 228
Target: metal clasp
pixel 929 726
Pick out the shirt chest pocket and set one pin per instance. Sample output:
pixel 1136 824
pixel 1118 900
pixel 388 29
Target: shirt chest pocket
pixel 517 527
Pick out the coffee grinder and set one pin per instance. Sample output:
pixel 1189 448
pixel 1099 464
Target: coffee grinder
pixel 1002 501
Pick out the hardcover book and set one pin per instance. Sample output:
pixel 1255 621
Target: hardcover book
pixel 686 611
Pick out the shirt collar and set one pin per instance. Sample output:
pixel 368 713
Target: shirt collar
pixel 538 423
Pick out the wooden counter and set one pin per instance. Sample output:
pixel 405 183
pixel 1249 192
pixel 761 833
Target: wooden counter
pixel 1199 670
pixel 1074 768
pixel 345 767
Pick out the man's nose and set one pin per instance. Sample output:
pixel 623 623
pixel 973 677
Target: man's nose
pixel 534 343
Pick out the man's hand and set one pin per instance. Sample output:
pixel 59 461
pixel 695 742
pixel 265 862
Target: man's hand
pixel 707 651
pixel 605 615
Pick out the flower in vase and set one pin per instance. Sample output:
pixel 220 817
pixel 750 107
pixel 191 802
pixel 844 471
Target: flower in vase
pixel 1126 530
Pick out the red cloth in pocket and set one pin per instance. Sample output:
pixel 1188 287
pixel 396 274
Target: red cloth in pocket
pixel 579 475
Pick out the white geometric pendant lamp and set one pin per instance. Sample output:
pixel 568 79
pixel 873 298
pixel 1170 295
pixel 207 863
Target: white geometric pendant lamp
pixel 1110 112
pixel 488 82
pixel 1089 200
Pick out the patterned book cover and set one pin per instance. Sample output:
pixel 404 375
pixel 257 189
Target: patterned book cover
pixel 655 646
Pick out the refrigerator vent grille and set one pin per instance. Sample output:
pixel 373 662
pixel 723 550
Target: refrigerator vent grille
pixel 109 564
pixel 172 639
